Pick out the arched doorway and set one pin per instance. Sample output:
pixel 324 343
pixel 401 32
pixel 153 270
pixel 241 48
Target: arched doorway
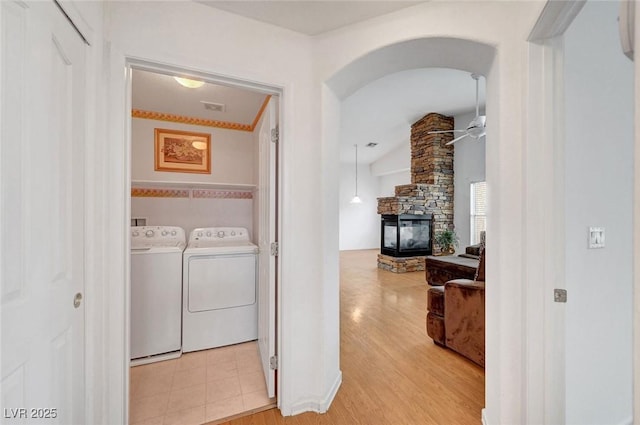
pixel 503 316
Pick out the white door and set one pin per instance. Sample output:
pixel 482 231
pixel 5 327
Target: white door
pixel 267 195
pixel 42 119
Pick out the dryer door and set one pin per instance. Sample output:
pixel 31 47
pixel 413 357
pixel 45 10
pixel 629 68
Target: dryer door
pixel 221 281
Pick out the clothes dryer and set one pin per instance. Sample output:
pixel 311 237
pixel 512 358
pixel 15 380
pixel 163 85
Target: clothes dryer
pixel 156 293
pixel 219 288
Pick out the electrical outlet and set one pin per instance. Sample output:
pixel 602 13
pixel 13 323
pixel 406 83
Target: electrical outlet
pixel 138 221
pixel 596 237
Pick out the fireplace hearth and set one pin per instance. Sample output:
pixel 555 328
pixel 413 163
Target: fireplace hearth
pixel 406 235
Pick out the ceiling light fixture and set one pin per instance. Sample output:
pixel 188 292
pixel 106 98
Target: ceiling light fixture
pixel 192 84
pixel 371 145
pixel 356 199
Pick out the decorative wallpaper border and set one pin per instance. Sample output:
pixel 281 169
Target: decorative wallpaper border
pixel 138 192
pixel 183 119
pixel 220 194
pixel 159 116
pixel 260 112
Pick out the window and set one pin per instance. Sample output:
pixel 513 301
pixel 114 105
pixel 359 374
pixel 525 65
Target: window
pixel 478 210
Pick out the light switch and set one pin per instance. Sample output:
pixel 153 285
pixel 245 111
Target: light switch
pixel 596 237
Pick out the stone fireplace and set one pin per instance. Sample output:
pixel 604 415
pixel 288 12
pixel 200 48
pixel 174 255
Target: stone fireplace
pixel 430 194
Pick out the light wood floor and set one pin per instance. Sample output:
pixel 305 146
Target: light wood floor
pixel 392 372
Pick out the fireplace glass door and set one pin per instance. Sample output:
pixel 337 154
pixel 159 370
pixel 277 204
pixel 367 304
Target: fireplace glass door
pixel 390 234
pixel 406 235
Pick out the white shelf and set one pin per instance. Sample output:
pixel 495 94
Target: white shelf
pixel 192 185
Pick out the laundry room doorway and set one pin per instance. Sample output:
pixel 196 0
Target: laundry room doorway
pixel 204 158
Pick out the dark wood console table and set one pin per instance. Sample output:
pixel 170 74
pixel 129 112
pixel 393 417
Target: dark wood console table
pixel 439 270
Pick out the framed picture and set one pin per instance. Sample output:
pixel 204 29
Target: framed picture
pixel 182 151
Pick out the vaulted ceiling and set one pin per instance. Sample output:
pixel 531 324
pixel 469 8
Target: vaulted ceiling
pixel 383 111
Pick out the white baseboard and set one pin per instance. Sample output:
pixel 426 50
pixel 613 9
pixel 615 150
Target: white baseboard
pixel 328 399
pixel 628 421
pixel 315 405
pixel 484 417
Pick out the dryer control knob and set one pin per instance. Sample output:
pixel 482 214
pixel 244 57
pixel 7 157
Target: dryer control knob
pixel 209 234
pixel 136 233
pixel 173 233
pixel 233 233
pixel 149 233
pixel 199 234
pixel 221 234
pixel 165 233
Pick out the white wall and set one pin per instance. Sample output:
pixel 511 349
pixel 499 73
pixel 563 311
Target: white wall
pixel 190 213
pixel 393 169
pixel 395 161
pixel 388 182
pixel 224 44
pixel 330 296
pixel 598 187
pixel 468 167
pixel 359 223
pixel 232 154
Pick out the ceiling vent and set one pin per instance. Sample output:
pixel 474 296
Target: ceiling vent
pixel 215 107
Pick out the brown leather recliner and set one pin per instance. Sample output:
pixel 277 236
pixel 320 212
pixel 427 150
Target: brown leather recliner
pixel 455 317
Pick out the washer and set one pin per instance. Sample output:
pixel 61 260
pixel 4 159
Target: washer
pixel 156 293
pixel 220 288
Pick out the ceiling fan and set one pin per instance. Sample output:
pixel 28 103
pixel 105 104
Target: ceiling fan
pixel 476 128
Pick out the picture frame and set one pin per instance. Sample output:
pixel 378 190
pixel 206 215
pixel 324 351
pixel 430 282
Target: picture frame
pixel 182 151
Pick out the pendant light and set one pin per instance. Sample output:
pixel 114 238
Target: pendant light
pixel 356 199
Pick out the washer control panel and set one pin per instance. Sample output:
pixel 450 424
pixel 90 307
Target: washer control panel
pixel 148 236
pixel 219 234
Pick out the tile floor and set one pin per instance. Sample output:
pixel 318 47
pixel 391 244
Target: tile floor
pixel 198 387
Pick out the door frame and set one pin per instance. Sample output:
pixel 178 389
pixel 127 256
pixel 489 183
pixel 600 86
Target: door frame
pixel 130 63
pixel 635 326
pixel 544 390
pixel 544 365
